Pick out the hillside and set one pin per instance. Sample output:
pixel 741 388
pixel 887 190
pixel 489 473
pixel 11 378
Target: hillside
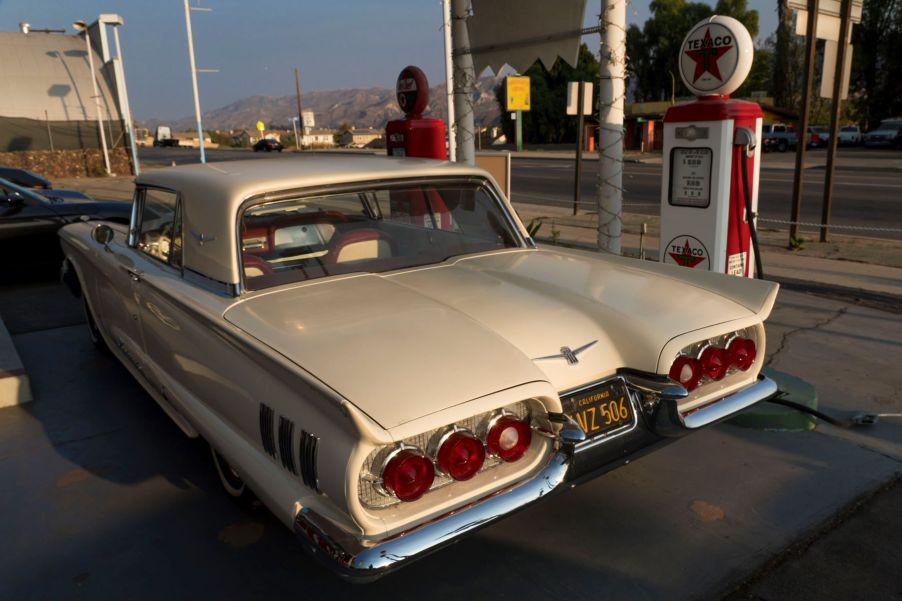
pixel 370 107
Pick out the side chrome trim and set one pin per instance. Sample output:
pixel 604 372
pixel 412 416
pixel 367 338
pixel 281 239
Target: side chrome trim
pixel 359 562
pixel 669 421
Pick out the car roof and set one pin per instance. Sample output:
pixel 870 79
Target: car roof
pixel 212 194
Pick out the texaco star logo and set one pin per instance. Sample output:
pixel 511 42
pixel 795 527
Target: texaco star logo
pixel 707 55
pixel 691 253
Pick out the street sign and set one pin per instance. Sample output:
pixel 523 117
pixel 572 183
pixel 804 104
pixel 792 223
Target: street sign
pixel 828 74
pixel 260 126
pixel 830 8
pixel 573 94
pixel 517 93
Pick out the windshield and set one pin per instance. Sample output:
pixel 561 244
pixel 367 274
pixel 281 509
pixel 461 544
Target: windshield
pixel 370 230
pixel 7 186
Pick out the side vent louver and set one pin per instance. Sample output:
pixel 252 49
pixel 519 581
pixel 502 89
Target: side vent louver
pixel 286 436
pixel 306 452
pixel 307 459
pixel 266 429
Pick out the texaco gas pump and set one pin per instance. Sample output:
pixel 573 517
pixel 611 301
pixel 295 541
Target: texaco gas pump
pixel 709 192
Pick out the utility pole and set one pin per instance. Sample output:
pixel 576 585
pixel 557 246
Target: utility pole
pixel 449 79
pixel 612 22
pixel 129 125
pixel 200 129
pixel 838 79
pixel 464 78
pixel 297 93
pixel 802 143
pixel 83 27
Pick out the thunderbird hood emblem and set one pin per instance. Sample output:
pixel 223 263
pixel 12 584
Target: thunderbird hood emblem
pixel 569 354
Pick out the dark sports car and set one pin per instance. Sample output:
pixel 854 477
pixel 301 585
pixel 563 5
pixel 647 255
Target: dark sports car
pixel 30 179
pixel 268 144
pixel 29 222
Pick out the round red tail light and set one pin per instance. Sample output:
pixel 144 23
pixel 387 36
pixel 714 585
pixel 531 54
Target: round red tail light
pixel 715 362
pixel 508 438
pixel 408 475
pixel 687 371
pixel 742 353
pixel 461 455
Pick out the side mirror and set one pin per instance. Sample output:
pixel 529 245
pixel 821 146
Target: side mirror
pixel 102 234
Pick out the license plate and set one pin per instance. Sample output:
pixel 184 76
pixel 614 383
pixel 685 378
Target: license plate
pixel 600 409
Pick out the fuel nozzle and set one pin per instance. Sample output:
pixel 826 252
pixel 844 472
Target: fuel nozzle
pixel 746 138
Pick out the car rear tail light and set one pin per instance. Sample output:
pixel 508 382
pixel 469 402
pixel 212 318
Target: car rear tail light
pixel 408 475
pixel 715 362
pixel 687 371
pixel 461 455
pixel 742 353
pixel 508 438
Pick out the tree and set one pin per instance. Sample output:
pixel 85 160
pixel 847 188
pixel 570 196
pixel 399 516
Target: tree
pixel 547 121
pixel 877 62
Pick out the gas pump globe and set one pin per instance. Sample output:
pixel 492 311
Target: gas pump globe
pixel 711 159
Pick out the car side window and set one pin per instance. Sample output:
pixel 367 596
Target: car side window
pixel 160 232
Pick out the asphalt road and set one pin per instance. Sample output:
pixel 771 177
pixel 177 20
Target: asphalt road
pixel 866 197
pixel 870 197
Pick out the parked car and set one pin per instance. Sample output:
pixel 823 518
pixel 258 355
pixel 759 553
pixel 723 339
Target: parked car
pixel 777 136
pixel 268 145
pixel 38 183
pixel 849 135
pixel 884 134
pixel 29 222
pixel 378 349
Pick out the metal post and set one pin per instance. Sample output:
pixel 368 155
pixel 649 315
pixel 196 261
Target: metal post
pixel 577 179
pixel 612 22
pixel 838 79
pixel 106 154
pixel 297 92
pixel 519 130
pixel 200 129
pixel 449 80
pixel 464 80
pixel 802 143
pixel 49 135
pixel 129 125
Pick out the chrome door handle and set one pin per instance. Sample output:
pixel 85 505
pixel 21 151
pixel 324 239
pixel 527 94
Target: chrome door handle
pixel 134 274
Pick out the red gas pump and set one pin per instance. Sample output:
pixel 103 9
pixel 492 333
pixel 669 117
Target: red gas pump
pixel 709 195
pixel 415 135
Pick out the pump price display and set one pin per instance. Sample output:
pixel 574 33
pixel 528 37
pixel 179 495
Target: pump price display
pixel 690 177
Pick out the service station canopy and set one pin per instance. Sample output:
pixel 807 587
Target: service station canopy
pixel 517 32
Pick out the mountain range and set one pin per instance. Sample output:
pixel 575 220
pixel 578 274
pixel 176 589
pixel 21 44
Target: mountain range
pixel 361 107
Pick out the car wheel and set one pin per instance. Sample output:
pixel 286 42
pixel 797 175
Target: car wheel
pixel 93 330
pixel 228 476
pixel 781 146
pixel 280 150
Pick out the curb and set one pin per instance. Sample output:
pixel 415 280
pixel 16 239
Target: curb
pixel 15 388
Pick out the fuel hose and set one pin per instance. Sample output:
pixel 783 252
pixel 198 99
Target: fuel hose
pixel 749 216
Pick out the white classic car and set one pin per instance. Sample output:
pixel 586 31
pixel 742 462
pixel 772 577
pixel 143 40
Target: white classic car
pixel 380 352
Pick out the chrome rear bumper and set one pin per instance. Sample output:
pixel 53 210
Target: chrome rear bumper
pixel 362 562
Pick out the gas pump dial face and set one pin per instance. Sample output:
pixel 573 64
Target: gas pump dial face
pixel 716 56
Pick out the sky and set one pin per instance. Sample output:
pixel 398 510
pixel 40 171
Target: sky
pixel 256 44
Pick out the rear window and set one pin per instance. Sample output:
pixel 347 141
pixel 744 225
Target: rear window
pixel 370 230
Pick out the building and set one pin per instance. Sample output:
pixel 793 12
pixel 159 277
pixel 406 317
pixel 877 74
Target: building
pixel 318 138
pixel 360 138
pixel 49 102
